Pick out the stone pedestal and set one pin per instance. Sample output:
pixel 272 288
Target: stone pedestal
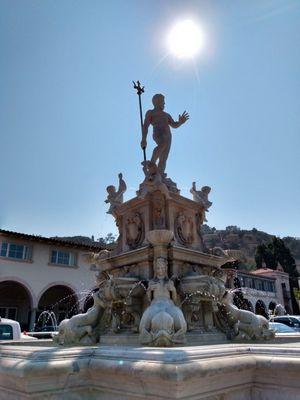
pixel 178 214
pixel 197 279
pixel 159 224
pixel 215 372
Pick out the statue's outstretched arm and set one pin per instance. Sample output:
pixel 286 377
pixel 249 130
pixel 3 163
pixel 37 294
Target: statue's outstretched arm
pixel 193 189
pixel 122 185
pixel 182 118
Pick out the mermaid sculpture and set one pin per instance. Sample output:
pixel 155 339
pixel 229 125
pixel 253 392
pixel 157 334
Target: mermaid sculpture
pixel 162 323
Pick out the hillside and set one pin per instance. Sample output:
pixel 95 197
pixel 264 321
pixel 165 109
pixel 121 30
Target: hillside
pixel 236 238
pixel 233 238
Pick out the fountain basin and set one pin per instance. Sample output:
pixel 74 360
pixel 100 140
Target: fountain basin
pixel 160 237
pixel 201 285
pixel 228 371
pixel 128 286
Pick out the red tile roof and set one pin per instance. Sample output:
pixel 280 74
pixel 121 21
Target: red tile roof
pixel 94 246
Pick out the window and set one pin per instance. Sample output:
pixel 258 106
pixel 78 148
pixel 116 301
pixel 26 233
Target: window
pixel 295 322
pixel 8 312
pixel 6 332
pixel 62 257
pixel 258 284
pixel 271 287
pixel 16 251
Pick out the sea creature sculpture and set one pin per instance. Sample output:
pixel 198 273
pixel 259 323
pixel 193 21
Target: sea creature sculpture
pixel 246 324
pixel 80 329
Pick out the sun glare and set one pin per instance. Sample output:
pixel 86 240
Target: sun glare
pixel 185 39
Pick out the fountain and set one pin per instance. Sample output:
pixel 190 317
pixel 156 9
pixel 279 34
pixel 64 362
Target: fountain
pixel 162 325
pixel 74 300
pixel 46 316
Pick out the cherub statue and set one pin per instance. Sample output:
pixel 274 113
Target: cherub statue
pixel 201 196
pixel 115 198
pixel 162 323
pixel 161 122
pixel 153 180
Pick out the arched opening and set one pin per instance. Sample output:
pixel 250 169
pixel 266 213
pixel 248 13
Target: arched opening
pixel 247 305
pixel 241 302
pixel 57 303
pixel 260 309
pixel 15 303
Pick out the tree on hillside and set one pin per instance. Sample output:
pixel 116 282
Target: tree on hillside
pixel 205 229
pixel 276 252
pixel 284 257
pixel 265 254
pixel 293 244
pixel 232 228
pixel 110 238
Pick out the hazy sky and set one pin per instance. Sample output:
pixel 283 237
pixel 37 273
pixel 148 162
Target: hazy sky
pixel 69 118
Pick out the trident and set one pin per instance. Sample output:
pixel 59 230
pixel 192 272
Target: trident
pixel 139 91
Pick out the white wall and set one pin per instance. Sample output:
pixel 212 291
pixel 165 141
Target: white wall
pixel 39 274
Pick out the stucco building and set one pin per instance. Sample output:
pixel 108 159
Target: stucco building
pixel 38 273
pixel 262 289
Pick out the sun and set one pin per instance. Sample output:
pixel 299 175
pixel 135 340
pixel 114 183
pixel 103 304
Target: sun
pixel 185 39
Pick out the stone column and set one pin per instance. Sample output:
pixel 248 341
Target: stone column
pixel 32 320
pixel 160 240
pixel 208 317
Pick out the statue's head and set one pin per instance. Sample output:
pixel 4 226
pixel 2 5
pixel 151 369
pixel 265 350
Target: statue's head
pixel 158 101
pixel 161 268
pixel 111 189
pixel 206 189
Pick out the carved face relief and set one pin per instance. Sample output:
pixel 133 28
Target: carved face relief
pixel 161 268
pixel 134 230
pixel 184 228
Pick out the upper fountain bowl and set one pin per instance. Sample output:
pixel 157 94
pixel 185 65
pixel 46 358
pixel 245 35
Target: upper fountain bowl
pixel 160 236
